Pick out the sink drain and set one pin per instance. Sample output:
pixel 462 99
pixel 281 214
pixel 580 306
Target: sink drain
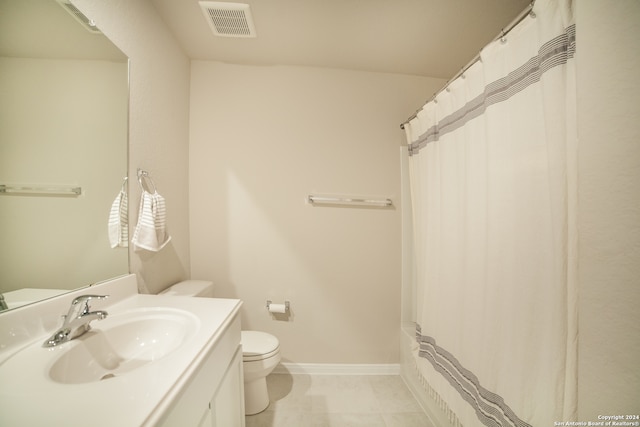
pixel 107 376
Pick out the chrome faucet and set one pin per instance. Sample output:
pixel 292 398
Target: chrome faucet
pixel 77 320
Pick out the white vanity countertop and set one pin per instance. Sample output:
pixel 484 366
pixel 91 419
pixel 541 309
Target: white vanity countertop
pixel 28 396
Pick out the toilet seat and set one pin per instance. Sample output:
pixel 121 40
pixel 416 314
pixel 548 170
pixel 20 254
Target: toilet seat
pixel 258 345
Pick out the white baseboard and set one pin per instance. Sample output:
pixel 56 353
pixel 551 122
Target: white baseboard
pixel 337 369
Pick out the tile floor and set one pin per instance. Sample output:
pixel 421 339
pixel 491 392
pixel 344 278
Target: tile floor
pixel 339 401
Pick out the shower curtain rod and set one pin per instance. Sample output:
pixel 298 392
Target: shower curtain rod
pixel 526 12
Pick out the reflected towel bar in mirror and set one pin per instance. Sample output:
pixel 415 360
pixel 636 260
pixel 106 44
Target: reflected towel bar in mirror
pixel 49 190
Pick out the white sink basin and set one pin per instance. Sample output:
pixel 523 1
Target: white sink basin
pixel 129 369
pixel 123 343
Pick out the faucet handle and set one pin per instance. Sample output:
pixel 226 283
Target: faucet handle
pixel 85 299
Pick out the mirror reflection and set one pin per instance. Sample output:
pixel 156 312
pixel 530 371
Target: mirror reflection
pixel 63 123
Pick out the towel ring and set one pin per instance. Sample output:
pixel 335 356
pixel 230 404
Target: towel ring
pixel 145 174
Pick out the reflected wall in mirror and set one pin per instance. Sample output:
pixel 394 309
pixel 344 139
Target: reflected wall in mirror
pixel 63 121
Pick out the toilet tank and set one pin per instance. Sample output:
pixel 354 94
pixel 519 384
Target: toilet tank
pixel 191 288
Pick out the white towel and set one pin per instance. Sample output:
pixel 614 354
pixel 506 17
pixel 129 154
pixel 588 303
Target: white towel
pixel 151 232
pixel 119 221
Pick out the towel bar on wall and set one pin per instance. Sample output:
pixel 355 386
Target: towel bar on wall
pixel 49 190
pixel 349 201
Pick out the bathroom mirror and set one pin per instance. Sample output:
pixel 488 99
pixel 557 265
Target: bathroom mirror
pixel 63 124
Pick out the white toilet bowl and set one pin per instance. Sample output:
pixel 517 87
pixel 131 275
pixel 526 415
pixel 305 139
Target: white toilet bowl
pixel 260 355
pixel 260 350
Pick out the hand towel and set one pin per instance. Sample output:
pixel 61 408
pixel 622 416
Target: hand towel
pixel 151 231
pixel 119 221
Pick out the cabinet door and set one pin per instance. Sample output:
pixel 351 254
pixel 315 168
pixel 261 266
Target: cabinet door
pixel 207 418
pixel 228 403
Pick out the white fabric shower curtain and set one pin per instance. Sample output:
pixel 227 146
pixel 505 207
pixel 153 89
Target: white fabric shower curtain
pixel 493 187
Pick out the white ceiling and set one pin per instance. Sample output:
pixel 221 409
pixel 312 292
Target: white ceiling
pixel 433 38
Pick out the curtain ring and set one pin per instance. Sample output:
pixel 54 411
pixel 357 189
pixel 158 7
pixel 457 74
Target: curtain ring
pixel 532 14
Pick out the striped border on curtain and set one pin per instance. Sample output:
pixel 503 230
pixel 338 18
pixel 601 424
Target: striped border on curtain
pixel 556 51
pixel 490 408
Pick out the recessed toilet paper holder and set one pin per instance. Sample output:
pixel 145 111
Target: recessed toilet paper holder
pixel 277 308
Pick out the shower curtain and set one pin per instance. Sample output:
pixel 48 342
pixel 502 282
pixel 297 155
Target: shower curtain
pixel 493 185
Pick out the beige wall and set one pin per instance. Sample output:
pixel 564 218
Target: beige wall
pixel 608 56
pixel 159 126
pixel 262 139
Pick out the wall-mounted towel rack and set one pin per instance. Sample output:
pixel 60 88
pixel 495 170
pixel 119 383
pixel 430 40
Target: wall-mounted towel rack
pixel 313 199
pixel 41 190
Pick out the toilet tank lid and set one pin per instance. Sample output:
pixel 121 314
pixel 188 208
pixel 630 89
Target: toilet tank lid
pixel 256 343
pixel 191 288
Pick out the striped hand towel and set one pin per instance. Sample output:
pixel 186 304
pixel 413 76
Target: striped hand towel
pixel 151 231
pixel 119 221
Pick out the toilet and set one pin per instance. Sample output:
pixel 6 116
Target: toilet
pixel 260 350
pixel 260 355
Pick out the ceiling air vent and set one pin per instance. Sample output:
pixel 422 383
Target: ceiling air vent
pixel 88 24
pixel 229 19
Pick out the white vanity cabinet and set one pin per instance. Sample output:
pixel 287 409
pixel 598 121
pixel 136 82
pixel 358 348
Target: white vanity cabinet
pixel 214 394
pixel 228 401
